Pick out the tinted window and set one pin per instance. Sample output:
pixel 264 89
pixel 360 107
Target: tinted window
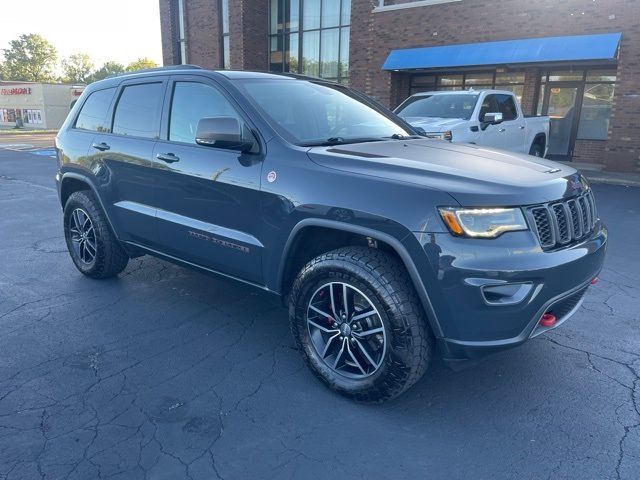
pixel 138 111
pixel 439 106
pixel 191 102
pixel 93 115
pixel 507 107
pixel 489 105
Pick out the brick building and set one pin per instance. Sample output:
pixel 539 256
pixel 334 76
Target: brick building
pixel 588 80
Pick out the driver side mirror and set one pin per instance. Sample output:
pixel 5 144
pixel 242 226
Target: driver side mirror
pixel 222 132
pixel 493 118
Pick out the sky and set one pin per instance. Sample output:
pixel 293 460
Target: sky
pixel 119 30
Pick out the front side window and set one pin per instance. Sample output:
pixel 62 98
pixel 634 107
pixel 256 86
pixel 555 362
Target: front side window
pixel 439 106
pixel 191 102
pixel 138 110
pixel 310 37
pixel 489 105
pixel 306 113
pixel 507 107
pixel 93 115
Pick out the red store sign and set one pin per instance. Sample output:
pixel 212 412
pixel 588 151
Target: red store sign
pixel 16 91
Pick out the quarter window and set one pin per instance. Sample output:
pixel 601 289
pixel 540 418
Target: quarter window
pixel 191 102
pixel 138 111
pixel 93 115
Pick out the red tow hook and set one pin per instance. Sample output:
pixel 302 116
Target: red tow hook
pixel 547 320
pixel 594 281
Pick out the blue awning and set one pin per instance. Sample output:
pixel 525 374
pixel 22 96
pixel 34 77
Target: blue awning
pixel 530 50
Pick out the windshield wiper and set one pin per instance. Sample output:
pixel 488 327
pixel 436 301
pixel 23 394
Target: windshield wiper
pixel 342 141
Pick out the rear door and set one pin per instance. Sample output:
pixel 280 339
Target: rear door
pixel 513 124
pixel 75 142
pixel 123 158
pixel 207 197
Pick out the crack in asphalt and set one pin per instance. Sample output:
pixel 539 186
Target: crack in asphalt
pixel 632 389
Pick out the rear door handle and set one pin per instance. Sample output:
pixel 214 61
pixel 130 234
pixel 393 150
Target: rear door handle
pixel 168 157
pixel 101 146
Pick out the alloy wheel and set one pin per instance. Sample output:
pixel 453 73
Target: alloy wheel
pixel 346 330
pixel 83 236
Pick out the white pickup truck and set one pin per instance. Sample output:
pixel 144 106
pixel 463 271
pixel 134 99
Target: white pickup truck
pixel 484 117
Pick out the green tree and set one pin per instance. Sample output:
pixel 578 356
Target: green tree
pixel 141 64
pixel 106 70
pixel 77 68
pixel 30 58
pixel 2 75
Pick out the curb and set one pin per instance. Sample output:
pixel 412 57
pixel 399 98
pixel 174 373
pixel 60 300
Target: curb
pixel 598 178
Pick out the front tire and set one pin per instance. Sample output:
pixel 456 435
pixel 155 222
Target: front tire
pixel 93 247
pixel 355 317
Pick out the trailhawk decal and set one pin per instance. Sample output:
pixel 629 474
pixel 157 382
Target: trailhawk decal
pixel 219 241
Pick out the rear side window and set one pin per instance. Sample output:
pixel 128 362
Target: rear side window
pixel 507 107
pixel 93 115
pixel 191 102
pixel 138 111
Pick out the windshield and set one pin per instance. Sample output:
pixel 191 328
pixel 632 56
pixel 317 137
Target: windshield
pixel 307 113
pixel 440 106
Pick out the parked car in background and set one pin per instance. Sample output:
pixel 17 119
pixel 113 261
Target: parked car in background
pixel 491 118
pixel 383 243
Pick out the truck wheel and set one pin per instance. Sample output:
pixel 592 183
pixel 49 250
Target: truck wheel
pixel 537 149
pixel 94 249
pixel 355 317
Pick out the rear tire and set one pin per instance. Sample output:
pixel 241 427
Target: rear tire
pixel 537 149
pixel 384 353
pixel 93 247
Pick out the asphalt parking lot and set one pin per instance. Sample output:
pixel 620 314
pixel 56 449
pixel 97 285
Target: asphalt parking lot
pixel 164 373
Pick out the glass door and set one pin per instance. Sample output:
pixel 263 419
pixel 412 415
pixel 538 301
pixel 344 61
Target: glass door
pixel 562 106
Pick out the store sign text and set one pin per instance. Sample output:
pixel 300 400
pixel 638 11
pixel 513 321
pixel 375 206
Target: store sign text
pixel 16 91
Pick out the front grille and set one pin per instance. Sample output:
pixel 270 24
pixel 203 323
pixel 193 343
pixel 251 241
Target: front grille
pixel 565 222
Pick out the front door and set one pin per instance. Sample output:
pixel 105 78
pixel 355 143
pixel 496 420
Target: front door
pixel 561 105
pixel 207 198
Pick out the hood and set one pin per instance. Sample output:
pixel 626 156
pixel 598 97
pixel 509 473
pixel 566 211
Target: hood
pixel 434 124
pixel 473 175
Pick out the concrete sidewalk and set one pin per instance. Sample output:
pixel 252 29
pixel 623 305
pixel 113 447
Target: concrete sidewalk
pixel 596 175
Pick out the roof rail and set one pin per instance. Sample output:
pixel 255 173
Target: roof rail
pixel 159 69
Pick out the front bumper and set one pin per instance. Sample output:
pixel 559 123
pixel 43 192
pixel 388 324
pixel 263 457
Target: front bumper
pixel 458 270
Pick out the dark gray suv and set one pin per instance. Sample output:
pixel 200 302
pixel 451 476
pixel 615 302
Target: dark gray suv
pixel 385 244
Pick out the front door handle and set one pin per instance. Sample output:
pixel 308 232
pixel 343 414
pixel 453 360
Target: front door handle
pixel 521 127
pixel 101 146
pixel 168 157
pixel 501 129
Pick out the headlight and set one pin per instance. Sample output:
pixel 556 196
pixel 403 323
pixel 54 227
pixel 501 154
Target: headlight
pixel 483 222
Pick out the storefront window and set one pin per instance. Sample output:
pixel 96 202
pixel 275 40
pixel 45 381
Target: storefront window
pixel 597 101
pixel 566 76
pixel 512 81
pixel 224 34
pixel 310 37
pixel 589 92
